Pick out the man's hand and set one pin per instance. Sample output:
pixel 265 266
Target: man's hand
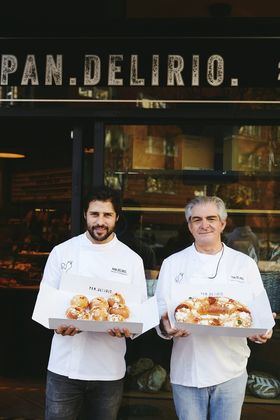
pixel 117 332
pixel 262 338
pixel 168 331
pixel 67 330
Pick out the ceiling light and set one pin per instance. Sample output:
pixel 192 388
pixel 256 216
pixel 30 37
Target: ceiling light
pixel 11 155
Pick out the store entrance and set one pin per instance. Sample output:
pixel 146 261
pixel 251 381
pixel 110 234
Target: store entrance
pixel 35 215
pixel 36 182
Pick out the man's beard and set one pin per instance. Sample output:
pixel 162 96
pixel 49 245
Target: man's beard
pixel 100 238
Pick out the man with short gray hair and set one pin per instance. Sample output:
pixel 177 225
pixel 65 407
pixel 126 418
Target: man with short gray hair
pixel 208 373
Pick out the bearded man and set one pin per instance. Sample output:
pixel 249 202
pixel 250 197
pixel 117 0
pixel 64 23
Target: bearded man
pixel 89 367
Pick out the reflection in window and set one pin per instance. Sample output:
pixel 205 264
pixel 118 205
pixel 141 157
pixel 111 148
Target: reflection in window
pixel 161 167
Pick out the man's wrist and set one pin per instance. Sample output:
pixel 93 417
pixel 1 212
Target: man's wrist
pixel 162 328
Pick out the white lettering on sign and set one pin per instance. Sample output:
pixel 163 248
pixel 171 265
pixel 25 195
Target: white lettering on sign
pixel 53 70
pixel 134 80
pixel 119 69
pixel 155 70
pixel 92 70
pixel 215 70
pixel 8 65
pixel 113 69
pixel 30 71
pixel 195 70
pixel 175 66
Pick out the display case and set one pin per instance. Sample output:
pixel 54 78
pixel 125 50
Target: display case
pixel 25 268
pixel 25 243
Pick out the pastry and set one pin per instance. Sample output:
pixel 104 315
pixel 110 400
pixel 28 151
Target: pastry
pixel 98 302
pixel 116 298
pixel 115 318
pixel 98 309
pixel 214 311
pixel 74 312
pixel 119 309
pixel 80 301
pixel 98 314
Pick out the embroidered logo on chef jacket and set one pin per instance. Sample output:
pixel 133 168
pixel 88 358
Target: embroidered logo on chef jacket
pixel 179 278
pixel 66 266
pixel 121 271
pixel 238 279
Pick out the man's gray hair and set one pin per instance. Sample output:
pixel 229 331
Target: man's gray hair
pixel 205 200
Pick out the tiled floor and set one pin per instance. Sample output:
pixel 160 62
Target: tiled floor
pixel 23 399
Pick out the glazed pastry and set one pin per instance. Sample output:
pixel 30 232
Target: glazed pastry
pixel 115 318
pixel 215 311
pixel 98 309
pixel 116 298
pixel 98 314
pixel 85 315
pixel 74 312
pixel 98 302
pixel 80 301
pixel 119 309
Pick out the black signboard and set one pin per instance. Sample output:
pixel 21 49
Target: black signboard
pixel 139 63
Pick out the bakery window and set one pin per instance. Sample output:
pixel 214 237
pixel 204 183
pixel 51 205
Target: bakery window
pixel 35 197
pixel 159 168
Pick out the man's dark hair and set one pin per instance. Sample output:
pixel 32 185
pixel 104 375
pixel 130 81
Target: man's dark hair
pixel 104 194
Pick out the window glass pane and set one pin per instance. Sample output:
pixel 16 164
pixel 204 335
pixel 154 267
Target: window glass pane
pixel 159 168
pixel 35 197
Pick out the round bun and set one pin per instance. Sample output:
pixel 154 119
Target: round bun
pixel 74 312
pixel 98 309
pixel 80 301
pixel 98 302
pixel 116 298
pixel 214 311
pixel 119 309
pixel 85 315
pixel 98 314
pixel 115 318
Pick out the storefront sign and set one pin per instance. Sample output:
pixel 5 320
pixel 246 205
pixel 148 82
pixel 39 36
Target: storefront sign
pixel 138 64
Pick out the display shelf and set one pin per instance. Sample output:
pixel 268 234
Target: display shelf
pixel 19 287
pixel 228 175
pixel 165 395
pixel 249 399
pixel 182 210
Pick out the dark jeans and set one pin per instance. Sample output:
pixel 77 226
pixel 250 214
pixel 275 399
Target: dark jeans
pixel 67 399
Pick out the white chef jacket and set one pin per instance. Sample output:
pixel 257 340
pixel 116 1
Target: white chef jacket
pixel 198 360
pixel 89 355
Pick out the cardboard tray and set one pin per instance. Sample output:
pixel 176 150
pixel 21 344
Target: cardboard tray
pixel 260 310
pixel 52 303
pixel 96 326
pixel 219 331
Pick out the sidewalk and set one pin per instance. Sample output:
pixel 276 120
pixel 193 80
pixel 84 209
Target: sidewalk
pixel 21 399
